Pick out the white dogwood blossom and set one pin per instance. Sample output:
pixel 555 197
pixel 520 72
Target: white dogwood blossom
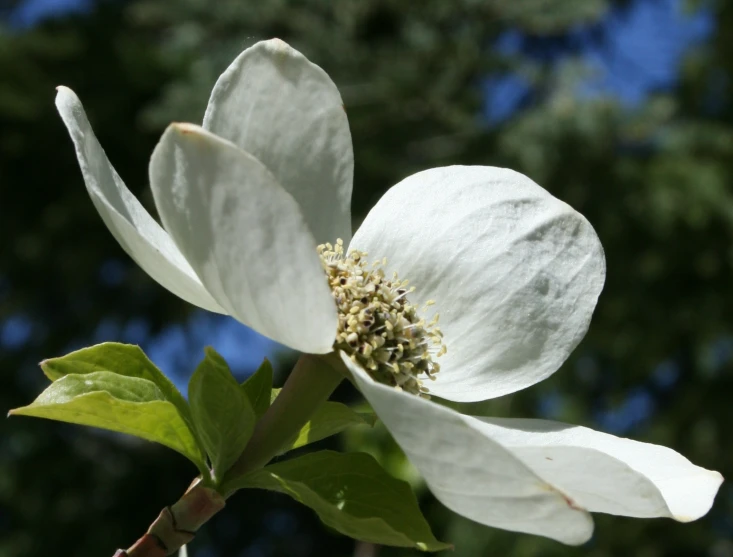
pixel 252 204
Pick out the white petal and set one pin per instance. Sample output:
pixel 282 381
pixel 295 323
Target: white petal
pixel 514 272
pixel 275 104
pixel 137 232
pixel 468 472
pixel 609 474
pixel 245 237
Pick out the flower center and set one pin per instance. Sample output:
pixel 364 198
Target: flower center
pixel 378 327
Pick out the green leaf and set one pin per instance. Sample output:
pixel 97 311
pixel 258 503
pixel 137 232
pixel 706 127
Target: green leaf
pixel 352 494
pixel 368 417
pixel 258 388
pixel 115 402
pixel 222 413
pixel 273 394
pixel 331 418
pixel 128 360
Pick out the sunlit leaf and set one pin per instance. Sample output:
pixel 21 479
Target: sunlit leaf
pixel 123 359
pixel 119 403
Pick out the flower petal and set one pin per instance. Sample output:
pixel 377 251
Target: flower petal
pixel 244 236
pixel 275 104
pixel 137 232
pixel 468 472
pixel 514 272
pixel 609 474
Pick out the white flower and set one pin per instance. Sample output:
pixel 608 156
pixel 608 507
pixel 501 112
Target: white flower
pixel 514 273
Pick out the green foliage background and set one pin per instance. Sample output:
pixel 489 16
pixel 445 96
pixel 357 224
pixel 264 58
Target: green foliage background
pixel 655 181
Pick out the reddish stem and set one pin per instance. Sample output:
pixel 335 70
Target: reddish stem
pixel 177 525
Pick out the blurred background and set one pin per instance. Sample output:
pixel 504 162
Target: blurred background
pixel 623 109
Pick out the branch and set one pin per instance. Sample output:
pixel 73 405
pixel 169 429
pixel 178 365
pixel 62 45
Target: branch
pixel 366 549
pixel 177 525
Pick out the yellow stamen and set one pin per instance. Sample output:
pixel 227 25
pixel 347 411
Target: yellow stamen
pixel 378 327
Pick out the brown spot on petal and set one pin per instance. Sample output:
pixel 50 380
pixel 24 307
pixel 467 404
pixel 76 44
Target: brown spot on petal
pixel 184 128
pixel 572 504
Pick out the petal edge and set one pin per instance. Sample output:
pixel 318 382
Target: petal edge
pixel 274 103
pixel 244 236
pixel 607 473
pixel 132 226
pixel 470 473
pixel 514 272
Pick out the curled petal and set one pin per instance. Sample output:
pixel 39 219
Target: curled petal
pixel 284 110
pixel 244 236
pixel 514 272
pixel 137 232
pixel 608 474
pixel 469 472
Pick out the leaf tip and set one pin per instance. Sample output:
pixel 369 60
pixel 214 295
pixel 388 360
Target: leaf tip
pixel 210 352
pixel 47 368
pixel 434 546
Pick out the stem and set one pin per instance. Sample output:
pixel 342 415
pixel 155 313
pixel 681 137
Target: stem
pixel 366 549
pixel 309 385
pixel 177 525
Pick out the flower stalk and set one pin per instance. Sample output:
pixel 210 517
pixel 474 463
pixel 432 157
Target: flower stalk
pixel 309 385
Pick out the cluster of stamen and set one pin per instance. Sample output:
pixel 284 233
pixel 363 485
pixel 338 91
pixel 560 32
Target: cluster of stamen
pixel 378 327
